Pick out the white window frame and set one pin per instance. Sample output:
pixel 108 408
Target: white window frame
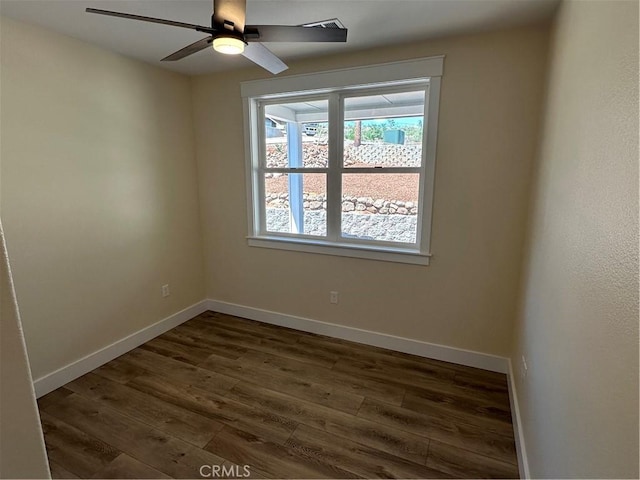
pixel 335 85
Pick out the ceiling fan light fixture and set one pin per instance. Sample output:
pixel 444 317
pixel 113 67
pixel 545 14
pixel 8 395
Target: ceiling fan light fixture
pixel 228 45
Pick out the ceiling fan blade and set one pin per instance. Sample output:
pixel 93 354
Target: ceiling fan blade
pixel 231 11
pixel 189 50
pixel 285 33
pixel 150 19
pixel 262 56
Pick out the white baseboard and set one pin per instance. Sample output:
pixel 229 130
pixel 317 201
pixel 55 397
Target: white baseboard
pixel 66 374
pixel 523 461
pixel 469 358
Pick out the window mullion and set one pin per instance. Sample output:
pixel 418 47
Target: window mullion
pixel 259 167
pixel 334 176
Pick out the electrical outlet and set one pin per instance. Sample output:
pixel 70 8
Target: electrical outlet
pixel 523 367
pixel 165 290
pixel 333 297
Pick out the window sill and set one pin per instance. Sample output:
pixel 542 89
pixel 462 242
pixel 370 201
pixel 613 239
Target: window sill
pixel 384 254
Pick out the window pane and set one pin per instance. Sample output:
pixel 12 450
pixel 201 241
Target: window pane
pixel 296 134
pixel 296 203
pixel 384 130
pixel 379 206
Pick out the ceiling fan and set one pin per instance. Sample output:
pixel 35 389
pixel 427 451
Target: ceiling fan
pixel 228 34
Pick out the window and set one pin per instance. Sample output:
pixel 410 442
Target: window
pixel 344 165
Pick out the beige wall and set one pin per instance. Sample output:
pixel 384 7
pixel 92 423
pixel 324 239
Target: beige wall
pixel 99 198
pixel 578 326
pixel 490 100
pixel 22 450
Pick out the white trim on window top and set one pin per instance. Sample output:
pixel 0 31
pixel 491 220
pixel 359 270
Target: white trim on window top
pixel 403 71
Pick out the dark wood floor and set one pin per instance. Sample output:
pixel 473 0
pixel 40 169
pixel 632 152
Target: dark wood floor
pixel 223 391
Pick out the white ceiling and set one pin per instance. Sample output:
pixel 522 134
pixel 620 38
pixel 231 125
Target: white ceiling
pixel 370 22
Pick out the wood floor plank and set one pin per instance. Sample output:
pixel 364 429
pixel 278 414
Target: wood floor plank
pixel 337 351
pixel 349 351
pixel 393 358
pixel 53 397
pixel 355 457
pixel 119 370
pixel 58 471
pixel 198 377
pixel 367 353
pixel 460 396
pixel 413 365
pixel 354 384
pixel 100 421
pixel 484 375
pixel 187 336
pixel 464 463
pixel 269 344
pixel 164 345
pixel 341 347
pixel 235 414
pixel 489 386
pixel 493 419
pixel 271 459
pixel 476 372
pixel 74 450
pixel 223 326
pixel 299 387
pixel 393 374
pixel 398 442
pixel 165 453
pixel 501 447
pixel 257 329
pixel 176 421
pixel 416 383
pixel 124 466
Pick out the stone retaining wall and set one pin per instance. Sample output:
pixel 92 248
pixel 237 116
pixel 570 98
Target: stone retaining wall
pixel 388 228
pixel 312 201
